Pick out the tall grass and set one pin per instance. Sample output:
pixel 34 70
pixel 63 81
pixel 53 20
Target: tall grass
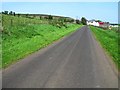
pixel 109 40
pixel 21 39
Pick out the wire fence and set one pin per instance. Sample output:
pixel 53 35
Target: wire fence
pixel 8 22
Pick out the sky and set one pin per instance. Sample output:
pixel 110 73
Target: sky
pixel 105 11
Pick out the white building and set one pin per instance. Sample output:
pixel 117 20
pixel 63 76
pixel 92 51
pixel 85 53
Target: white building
pixel 93 22
pixel 113 25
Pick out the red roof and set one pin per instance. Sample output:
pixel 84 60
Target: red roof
pixel 101 23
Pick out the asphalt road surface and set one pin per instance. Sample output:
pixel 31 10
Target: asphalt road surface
pixel 76 61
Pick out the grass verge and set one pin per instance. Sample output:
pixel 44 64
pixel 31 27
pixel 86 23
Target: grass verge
pixel 109 41
pixel 20 40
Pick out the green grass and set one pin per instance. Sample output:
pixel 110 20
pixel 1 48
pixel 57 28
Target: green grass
pixel 19 40
pixel 109 41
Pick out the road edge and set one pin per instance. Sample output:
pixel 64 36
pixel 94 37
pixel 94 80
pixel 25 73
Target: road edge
pixel 110 60
pixel 42 50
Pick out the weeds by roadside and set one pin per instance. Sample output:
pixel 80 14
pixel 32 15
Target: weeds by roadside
pixel 20 39
pixel 109 40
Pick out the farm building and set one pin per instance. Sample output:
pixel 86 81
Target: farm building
pixel 104 24
pixel 92 22
pixel 98 23
pixel 113 25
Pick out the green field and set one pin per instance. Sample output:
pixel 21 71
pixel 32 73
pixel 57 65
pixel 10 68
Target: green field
pixel 22 36
pixel 109 41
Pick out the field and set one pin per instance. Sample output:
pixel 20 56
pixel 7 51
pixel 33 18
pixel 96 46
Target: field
pixel 109 41
pixel 22 36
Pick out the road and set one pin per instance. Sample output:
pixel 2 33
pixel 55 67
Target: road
pixel 76 61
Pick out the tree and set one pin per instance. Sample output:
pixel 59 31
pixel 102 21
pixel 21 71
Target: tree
pixel 14 13
pixel 18 15
pixel 72 20
pixel 84 21
pixel 6 12
pixel 10 12
pixel 77 21
pixel 50 17
pixel 98 20
pixel 65 20
pixel 45 17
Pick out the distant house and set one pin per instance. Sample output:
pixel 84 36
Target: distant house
pixel 104 24
pixel 98 23
pixel 93 22
pixel 113 25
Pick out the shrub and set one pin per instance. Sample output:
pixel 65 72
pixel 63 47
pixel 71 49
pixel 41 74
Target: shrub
pixel 83 21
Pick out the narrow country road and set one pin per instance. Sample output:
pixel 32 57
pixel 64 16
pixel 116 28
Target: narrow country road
pixel 76 61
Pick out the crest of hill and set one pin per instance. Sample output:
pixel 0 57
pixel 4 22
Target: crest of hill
pixel 46 15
